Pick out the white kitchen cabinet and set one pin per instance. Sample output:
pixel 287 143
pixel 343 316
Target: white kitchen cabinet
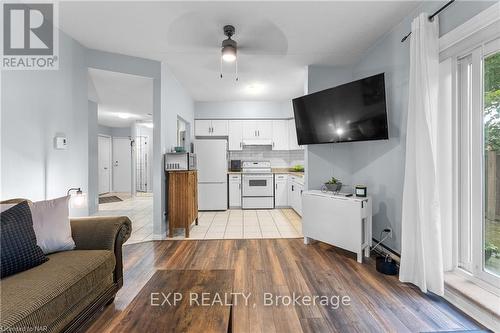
pixel 234 191
pixel 295 189
pixel 235 135
pixel 280 190
pixel 202 127
pixel 280 134
pixel 219 127
pixel 257 129
pixel 264 129
pixel 292 136
pixel 206 127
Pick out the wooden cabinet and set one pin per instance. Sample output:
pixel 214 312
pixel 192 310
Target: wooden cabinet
pixel 280 134
pixel 205 127
pixel 182 200
pixel 280 190
pixel 235 136
pixel 234 191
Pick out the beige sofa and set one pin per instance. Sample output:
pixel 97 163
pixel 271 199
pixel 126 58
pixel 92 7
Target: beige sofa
pixel 63 293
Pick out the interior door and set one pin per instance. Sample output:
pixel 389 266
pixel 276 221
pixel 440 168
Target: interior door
pixel 122 165
pixel 104 164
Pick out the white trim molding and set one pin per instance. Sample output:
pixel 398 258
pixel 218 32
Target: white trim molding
pixel 485 18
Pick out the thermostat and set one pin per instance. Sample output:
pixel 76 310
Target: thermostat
pixel 60 142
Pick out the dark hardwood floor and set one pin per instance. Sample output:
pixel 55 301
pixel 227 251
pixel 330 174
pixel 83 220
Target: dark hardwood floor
pixel 378 303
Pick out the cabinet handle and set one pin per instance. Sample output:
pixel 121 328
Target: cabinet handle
pixel 241 144
pixel 276 186
pixel 292 188
pixel 273 144
pixel 258 133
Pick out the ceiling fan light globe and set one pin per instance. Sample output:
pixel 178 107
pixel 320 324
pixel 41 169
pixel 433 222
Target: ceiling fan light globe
pixel 228 53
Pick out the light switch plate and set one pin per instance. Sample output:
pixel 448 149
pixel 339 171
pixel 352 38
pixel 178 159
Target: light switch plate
pixel 60 142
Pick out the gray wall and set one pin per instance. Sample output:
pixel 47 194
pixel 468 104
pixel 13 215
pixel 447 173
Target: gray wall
pixel 242 110
pixel 93 201
pixel 379 164
pixel 37 106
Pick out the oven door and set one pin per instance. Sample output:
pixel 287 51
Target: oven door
pixel 257 185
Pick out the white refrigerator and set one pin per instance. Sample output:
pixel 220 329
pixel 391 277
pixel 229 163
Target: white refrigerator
pixel 211 159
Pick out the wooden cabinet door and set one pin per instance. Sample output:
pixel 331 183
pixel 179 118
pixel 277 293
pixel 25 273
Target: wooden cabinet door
pixel 235 135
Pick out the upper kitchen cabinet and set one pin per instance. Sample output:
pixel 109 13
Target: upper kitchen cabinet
pixel 257 129
pixel 280 134
pixel 292 136
pixel 235 135
pixel 210 127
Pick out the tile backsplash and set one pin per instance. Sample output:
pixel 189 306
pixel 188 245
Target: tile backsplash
pixel 278 158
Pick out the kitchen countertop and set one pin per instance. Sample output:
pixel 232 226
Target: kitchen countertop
pixel 274 170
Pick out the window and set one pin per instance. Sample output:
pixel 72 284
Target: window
pixel 478 101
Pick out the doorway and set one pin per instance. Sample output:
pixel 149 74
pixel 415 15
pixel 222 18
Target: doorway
pixel 104 164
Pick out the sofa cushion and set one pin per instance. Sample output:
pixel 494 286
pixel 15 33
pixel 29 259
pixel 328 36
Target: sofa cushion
pixel 51 224
pixel 19 250
pixel 47 295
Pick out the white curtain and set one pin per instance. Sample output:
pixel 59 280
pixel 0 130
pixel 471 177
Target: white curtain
pixel 421 247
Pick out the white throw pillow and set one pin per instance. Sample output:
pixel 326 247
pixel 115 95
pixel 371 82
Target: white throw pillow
pixel 51 224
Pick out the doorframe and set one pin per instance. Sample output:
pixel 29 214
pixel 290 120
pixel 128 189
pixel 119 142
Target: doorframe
pixel 129 138
pixel 110 163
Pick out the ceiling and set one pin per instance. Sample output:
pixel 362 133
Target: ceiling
pixel 276 40
pixel 123 98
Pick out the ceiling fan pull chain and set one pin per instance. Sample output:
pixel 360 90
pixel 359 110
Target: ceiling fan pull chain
pixel 236 69
pixel 221 68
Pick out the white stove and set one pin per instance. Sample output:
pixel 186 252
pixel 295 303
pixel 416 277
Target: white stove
pixel 258 185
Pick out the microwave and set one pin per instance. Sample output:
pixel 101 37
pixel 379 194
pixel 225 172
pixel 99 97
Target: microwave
pixel 180 161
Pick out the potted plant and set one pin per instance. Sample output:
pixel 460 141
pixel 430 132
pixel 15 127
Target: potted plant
pixel 333 185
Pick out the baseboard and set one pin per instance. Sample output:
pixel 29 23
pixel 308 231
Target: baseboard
pixel 385 250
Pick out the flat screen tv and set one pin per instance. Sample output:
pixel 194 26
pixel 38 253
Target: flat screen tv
pixel 354 111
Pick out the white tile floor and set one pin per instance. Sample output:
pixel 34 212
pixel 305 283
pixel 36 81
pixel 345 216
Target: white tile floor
pixel 245 224
pixel 230 224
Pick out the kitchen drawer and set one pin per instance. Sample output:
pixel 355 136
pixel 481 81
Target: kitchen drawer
pixel 281 177
pixel 297 179
pixel 235 178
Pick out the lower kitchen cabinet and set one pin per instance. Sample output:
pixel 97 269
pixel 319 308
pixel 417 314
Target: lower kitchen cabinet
pixel 234 191
pixel 280 190
pixel 295 189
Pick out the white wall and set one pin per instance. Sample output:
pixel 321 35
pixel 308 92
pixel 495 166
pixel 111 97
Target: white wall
pixel 379 164
pixel 36 106
pixel 115 131
pixel 175 101
pixel 243 110
pixel 93 168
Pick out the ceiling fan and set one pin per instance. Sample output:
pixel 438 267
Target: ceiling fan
pixel 229 49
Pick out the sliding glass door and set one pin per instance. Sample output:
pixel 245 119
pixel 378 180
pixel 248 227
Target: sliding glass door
pixel 491 158
pixel 478 101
